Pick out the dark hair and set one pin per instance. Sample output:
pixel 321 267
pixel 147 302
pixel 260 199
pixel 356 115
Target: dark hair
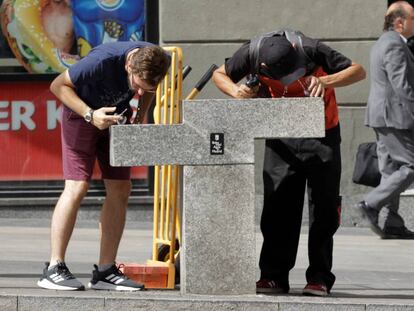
pixel 151 63
pixel 392 16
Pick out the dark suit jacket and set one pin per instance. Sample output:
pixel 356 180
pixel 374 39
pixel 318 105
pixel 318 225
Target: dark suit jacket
pixel 391 97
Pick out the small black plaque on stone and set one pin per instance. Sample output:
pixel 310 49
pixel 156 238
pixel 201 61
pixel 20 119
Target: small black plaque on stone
pixel 216 143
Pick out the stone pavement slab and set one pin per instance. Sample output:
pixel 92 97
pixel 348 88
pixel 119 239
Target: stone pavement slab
pixel 372 274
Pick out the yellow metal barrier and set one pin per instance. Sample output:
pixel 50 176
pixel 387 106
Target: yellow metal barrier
pixel 167 225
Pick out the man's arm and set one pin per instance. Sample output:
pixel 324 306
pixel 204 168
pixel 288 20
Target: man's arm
pixel 227 86
pixel 397 68
pixel 350 75
pixel 63 88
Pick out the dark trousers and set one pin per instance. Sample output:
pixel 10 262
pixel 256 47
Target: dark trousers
pixel 289 166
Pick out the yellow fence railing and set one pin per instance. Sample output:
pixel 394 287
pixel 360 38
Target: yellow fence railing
pixel 167 228
pixel 167 224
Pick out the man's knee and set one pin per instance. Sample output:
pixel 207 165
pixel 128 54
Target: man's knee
pixel 76 189
pixel 407 171
pixel 118 189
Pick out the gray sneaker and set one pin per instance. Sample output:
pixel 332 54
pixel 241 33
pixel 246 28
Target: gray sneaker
pixel 59 278
pixel 113 279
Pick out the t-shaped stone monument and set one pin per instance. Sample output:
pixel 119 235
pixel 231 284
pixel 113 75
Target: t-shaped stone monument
pixel 215 144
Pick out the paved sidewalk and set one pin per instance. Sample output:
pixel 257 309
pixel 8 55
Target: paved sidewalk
pixel 372 274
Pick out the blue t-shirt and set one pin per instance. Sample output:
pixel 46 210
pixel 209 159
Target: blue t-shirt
pixel 100 78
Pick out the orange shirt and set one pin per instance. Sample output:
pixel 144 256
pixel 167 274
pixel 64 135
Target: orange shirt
pixel 297 89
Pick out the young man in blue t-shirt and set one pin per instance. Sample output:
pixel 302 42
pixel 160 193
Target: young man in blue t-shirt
pixel 95 92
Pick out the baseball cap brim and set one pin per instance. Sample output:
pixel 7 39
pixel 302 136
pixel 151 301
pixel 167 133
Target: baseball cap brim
pixel 293 76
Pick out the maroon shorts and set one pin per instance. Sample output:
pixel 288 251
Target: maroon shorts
pixel 82 143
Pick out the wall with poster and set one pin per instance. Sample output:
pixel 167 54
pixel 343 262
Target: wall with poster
pixel 46 37
pixel 30 133
pixel 50 35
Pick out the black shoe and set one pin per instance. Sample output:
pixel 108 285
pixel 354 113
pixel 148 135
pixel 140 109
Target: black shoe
pixel 59 278
pixel 112 279
pixel 371 214
pixel 397 233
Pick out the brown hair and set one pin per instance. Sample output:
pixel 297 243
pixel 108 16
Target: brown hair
pixel 151 63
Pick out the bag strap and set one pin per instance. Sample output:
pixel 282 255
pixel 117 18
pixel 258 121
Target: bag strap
pixel 295 37
pixel 254 47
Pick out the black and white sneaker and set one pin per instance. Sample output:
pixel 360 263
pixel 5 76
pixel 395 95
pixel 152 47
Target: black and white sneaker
pixel 113 279
pixel 59 278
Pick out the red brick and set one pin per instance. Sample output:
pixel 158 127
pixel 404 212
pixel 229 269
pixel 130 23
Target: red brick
pixel 150 276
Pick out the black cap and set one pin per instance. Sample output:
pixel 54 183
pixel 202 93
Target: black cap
pixel 282 60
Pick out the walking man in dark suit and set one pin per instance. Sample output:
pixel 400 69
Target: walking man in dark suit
pixel 390 112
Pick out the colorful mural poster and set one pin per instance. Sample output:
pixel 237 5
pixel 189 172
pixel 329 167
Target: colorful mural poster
pixel 48 36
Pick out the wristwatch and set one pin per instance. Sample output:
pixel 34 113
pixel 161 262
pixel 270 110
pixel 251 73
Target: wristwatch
pixel 89 116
